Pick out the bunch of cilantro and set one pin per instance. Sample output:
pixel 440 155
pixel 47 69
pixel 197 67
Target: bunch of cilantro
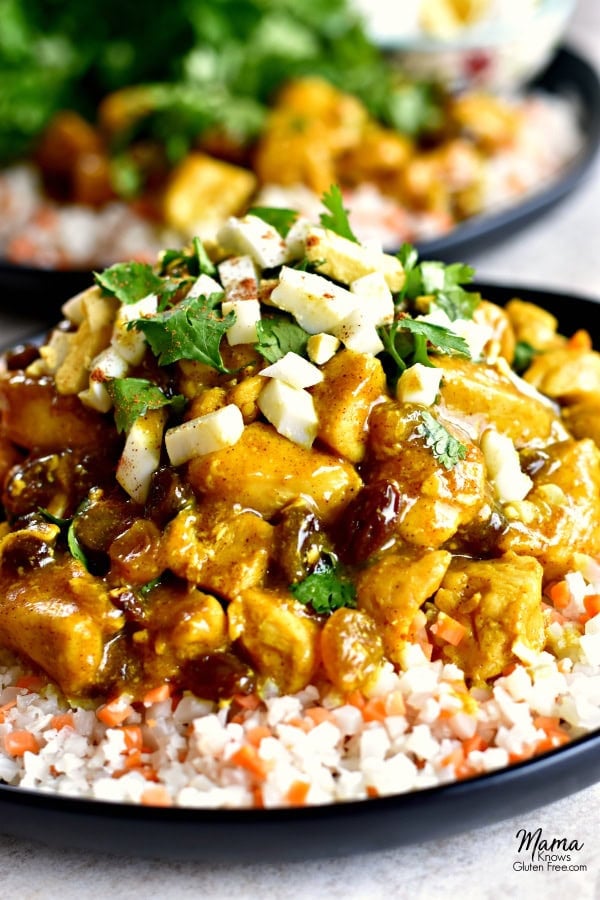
pixel 205 63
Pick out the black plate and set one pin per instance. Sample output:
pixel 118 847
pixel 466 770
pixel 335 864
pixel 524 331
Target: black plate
pixel 342 829
pixel 568 75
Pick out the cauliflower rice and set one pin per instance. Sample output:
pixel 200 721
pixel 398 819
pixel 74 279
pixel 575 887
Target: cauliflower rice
pixel 416 729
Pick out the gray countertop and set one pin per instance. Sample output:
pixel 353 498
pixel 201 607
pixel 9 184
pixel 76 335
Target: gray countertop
pixel 560 251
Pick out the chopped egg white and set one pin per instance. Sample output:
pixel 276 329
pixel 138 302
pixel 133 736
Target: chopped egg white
pixel 504 467
pixel 346 261
pixel 294 370
pixel 251 236
pixel 129 342
pixel 141 455
pixel 357 332
pixel 419 384
pixel 316 303
pixel 321 347
pixel 247 314
pixel 204 286
pixel 214 431
pixel 238 277
pixel 290 410
pixel 107 365
pixel 376 295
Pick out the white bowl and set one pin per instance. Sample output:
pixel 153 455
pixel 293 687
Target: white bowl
pixel 498 55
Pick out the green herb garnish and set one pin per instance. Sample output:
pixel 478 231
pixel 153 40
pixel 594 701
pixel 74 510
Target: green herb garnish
pixel 408 341
pixel 279 218
pixel 444 446
pixel 278 336
pixel 337 220
pixel 191 330
pixel 134 397
pixel 326 589
pixel 524 355
pixel 129 281
pixel 443 283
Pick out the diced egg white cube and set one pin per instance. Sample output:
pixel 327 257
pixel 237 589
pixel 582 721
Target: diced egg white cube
pixel 476 336
pixel 214 431
pixel 376 296
pixel 345 260
pixel 238 277
pixel 294 370
pixel 204 286
pixel 504 467
pixel 96 397
pixel 357 332
pixel 74 308
pixel 419 384
pixel 107 365
pixel 295 239
pixel 141 454
pixel 316 303
pixel 247 314
pixel 321 347
pixel 252 236
pixel 129 342
pixel 290 410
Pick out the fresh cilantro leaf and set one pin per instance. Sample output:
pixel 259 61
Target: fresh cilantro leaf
pixel 133 397
pixel 145 589
pixel 198 262
pixel 444 446
pixel 278 336
pixel 338 219
pixel 440 338
pixel 75 548
pixel 524 355
pixel 326 589
pixel 440 282
pixel 280 218
pixel 129 281
pixel 191 330
pixel 408 341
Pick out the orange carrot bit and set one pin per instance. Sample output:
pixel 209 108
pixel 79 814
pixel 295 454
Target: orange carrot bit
pixel 256 734
pixel 375 710
pixel 115 711
pixel 394 704
pixel 580 340
pixel 157 694
pixel 133 736
pixel 356 698
pixel 560 594
pixel 247 757
pixel 297 793
pixel 455 758
pixel 257 794
pixel 62 720
pixel 372 791
pixel 32 683
pixel 448 629
pixel 5 708
pixel 318 714
pixel 133 760
pixel 592 604
pixel 156 796
pixel 474 743
pixel 18 743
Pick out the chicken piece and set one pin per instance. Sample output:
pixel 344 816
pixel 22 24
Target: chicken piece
pixel 490 121
pixel 278 634
pixel 218 549
pixel 533 325
pixel 352 383
pixel 394 588
pixel 410 497
pixel 9 457
pixel 434 179
pixel 494 317
pixel 34 415
pixel 264 471
pixel 203 192
pixel 559 517
pixel 582 418
pixel 58 616
pixel 565 374
pixel 481 395
pixel 498 601
pixel 377 158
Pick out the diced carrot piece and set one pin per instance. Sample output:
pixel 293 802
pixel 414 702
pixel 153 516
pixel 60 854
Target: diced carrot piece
pixel 17 743
pixel 5 708
pixel 297 793
pixel 318 714
pixel 355 698
pixel 133 737
pixel 473 743
pixel 375 710
pixel 62 720
pixel 560 594
pixel 592 604
pixel 247 757
pixel 455 758
pixel 157 694
pixel 448 629
pixel 256 734
pixel 32 683
pixel 156 796
pixel 372 791
pixel 115 711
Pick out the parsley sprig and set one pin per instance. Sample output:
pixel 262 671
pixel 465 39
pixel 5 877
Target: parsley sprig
pixel 442 283
pixel 134 397
pixel 279 335
pixel 444 446
pixel 336 219
pixel 280 218
pixel 191 330
pixel 326 589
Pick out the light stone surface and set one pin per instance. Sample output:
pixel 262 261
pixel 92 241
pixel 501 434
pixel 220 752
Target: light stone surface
pixel 561 251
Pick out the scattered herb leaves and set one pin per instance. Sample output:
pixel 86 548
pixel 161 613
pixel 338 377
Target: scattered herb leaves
pixel 337 219
pixel 129 281
pixel 134 397
pixel 279 335
pixel 444 446
pixel 326 589
pixel 279 218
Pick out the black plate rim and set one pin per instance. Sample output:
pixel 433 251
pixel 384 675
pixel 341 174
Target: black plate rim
pixel 567 68
pixel 337 830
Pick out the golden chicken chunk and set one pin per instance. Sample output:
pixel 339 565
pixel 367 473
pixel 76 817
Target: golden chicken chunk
pixel 343 400
pixel 582 417
pixel 559 517
pixel 498 601
pixel 394 588
pixel 222 551
pixel 483 395
pixel 566 373
pixel 59 616
pixel 533 325
pixel 278 634
pixel 264 471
